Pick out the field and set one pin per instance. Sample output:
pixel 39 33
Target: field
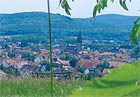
pixel 36 88
pixel 121 82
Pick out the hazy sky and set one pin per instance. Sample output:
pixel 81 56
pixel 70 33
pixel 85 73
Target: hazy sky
pixel 80 8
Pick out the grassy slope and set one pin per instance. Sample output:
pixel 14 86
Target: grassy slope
pixel 121 82
pixel 36 88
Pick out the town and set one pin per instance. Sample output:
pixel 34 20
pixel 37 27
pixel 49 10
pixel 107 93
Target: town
pixel 73 59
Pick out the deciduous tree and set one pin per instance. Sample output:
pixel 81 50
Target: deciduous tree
pixel 101 5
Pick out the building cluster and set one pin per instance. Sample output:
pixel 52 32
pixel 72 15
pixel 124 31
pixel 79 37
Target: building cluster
pixel 79 64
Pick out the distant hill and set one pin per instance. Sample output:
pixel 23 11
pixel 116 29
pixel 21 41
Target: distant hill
pixel 123 81
pixel 104 26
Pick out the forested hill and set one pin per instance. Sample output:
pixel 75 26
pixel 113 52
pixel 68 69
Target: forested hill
pixel 104 26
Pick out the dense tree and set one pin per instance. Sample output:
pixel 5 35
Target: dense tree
pixel 73 62
pixel 106 64
pixel 17 72
pixel 69 40
pixel 56 65
pixel 136 52
pixel 101 5
pixel 28 56
pixel 80 69
pixel 46 63
pixel 11 54
pixel 2 68
pixel 62 57
pixel 67 56
pixel 54 59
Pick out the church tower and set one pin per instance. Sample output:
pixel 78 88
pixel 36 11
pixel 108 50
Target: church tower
pixel 79 42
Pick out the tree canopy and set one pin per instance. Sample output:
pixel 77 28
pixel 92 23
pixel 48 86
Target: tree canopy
pixel 101 5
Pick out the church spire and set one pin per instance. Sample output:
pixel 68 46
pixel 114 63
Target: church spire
pixel 79 37
pixel 79 41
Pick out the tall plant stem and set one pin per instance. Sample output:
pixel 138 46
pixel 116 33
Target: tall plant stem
pixel 50 47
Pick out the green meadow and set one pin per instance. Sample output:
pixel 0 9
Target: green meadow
pixel 36 88
pixel 120 82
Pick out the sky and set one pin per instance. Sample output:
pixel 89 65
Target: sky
pixel 80 8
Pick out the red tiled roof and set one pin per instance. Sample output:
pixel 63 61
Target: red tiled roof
pixel 76 73
pixel 63 62
pixel 85 63
pixel 116 63
pixel 105 71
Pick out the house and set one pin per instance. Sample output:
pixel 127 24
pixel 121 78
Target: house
pixel 56 51
pixel 66 67
pixel 86 64
pixel 5 63
pixel 17 63
pixel 76 75
pixel 71 48
pixel 63 62
pixel 105 71
pixel 86 71
pixel 61 73
pixel 18 56
pixel 38 59
pixel 35 71
pixel 21 63
pixel 11 69
pixel 27 69
pixel 130 60
pixel 116 63
pixel 75 48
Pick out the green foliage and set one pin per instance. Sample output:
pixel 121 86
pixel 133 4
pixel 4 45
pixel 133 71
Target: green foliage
pixel 27 39
pixel 65 5
pixel 50 48
pixel 47 64
pixel 44 63
pixel 135 33
pixel 121 82
pixel 101 28
pixel 62 57
pixel 123 4
pixel 136 52
pixel 106 64
pixel 95 10
pixel 73 62
pixel 67 56
pixel 30 87
pixel 70 40
pixel 80 69
pixel 28 56
pixel 2 68
pixel 101 4
pixel 11 54
pixel 17 72
pixel 135 93
pixel 56 65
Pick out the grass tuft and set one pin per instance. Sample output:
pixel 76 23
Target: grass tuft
pixel 36 88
